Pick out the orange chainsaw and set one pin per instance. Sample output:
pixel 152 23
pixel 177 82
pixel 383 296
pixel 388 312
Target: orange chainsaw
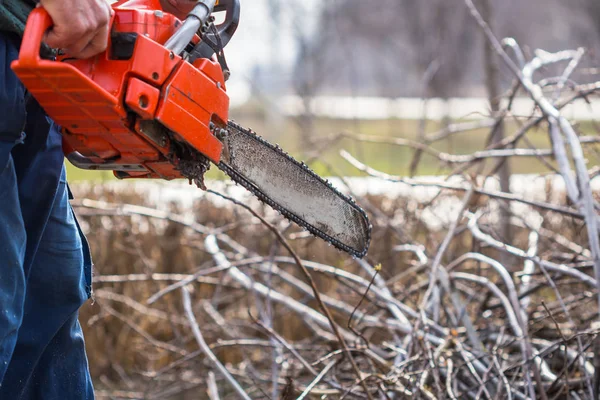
pixel 154 105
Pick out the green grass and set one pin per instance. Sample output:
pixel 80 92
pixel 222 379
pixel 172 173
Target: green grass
pixel 390 158
pixel 75 174
pixel 387 158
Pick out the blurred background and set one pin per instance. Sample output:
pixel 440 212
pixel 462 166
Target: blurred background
pixel 303 70
pixel 386 49
pixel 410 88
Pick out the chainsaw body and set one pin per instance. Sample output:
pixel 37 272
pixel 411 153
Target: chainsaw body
pixel 130 108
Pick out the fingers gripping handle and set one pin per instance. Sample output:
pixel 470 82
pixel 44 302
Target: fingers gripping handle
pixel 38 23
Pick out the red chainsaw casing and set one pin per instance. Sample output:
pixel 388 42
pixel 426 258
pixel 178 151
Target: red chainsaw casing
pixel 113 108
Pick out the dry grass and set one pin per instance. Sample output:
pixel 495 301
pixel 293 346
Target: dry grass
pixel 132 345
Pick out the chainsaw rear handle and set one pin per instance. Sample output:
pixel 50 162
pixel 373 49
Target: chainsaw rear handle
pixel 38 23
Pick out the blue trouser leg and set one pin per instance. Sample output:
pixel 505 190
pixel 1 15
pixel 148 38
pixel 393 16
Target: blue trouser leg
pixel 49 359
pixel 12 253
pixel 12 229
pixel 45 268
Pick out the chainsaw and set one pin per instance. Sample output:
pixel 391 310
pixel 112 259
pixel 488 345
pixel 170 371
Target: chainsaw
pixel 154 105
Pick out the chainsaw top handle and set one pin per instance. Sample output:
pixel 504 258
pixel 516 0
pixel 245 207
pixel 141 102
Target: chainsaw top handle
pixel 232 19
pixel 225 30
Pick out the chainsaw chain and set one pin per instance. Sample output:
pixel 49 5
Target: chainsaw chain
pixel 191 163
pixel 238 178
pixel 194 170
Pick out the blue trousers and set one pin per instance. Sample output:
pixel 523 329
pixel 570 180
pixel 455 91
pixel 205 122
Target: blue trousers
pixel 45 265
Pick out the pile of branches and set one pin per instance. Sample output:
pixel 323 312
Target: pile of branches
pixel 233 302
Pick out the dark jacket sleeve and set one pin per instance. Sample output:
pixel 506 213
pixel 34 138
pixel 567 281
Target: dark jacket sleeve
pixel 13 15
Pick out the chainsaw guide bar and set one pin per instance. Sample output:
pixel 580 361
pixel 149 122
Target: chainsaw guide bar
pixel 291 188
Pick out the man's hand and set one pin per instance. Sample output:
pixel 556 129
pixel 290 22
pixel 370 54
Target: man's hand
pixel 80 26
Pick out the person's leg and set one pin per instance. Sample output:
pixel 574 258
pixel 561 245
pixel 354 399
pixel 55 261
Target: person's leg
pixel 49 360
pixel 12 230
pixel 50 350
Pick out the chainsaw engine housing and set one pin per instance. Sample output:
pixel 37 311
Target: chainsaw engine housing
pixel 137 106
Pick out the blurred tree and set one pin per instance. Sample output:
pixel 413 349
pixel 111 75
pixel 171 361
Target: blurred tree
pixel 385 48
pixel 593 10
pixel 442 35
pixel 373 48
pixel 492 83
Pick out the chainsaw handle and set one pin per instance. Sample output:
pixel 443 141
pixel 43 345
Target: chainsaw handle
pixel 232 19
pixel 38 23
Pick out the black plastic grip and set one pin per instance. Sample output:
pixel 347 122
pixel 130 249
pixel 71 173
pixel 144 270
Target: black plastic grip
pixel 226 29
pixel 232 19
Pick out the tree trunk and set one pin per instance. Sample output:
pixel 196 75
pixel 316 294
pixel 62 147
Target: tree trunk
pixel 492 76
